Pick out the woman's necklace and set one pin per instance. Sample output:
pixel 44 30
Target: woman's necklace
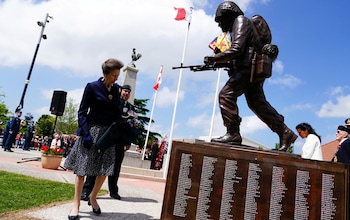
pixel 110 96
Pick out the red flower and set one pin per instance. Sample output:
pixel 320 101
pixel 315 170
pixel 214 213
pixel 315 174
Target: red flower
pixel 45 148
pixel 51 151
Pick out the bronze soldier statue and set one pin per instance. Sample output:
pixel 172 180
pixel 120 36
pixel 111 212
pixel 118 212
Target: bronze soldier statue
pixel 241 80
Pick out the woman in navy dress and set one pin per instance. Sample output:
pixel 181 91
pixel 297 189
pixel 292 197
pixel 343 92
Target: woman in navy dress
pixel 99 108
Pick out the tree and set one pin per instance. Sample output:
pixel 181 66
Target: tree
pixel 44 125
pixel 3 111
pixel 68 122
pixel 142 120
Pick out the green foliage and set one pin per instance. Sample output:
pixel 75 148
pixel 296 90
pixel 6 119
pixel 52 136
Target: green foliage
pixel 23 192
pixel 44 125
pixel 290 150
pixel 3 110
pixel 142 120
pixel 68 122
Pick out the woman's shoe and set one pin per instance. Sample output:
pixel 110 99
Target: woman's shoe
pixel 73 217
pixel 96 211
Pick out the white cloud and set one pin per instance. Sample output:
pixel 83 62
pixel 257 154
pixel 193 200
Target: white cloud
pixel 298 107
pixel 251 124
pixel 166 97
pixel 80 37
pixel 277 67
pixel 285 80
pixel 338 90
pixel 203 122
pixel 339 108
pixel 76 95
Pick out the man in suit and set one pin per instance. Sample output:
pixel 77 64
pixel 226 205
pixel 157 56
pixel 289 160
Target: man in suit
pixel 13 130
pixel 128 125
pixel 343 153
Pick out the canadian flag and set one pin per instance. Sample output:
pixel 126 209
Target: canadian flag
pixel 159 78
pixel 181 14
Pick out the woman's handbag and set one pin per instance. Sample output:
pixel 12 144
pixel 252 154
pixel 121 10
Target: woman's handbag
pixel 117 134
pixel 108 138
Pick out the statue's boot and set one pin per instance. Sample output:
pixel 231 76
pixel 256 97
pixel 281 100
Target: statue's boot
pixel 287 138
pixel 232 136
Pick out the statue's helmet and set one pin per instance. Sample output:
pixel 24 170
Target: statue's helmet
pixel 227 9
pixel 226 14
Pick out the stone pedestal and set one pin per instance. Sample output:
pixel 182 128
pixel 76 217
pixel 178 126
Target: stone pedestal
pixel 213 181
pixel 134 159
pixel 129 77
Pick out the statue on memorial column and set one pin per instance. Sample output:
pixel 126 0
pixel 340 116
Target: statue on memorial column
pixel 242 59
pixel 134 57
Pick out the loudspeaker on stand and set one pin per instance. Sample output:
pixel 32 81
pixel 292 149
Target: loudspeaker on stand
pixel 58 102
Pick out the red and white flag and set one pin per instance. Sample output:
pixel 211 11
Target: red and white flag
pixel 159 79
pixel 181 14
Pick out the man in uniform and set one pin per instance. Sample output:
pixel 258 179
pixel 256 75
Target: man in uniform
pixel 343 153
pixel 239 60
pixel 13 129
pixel 29 135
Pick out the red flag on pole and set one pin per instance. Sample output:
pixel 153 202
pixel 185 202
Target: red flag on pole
pixel 159 78
pixel 181 14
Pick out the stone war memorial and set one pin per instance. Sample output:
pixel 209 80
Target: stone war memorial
pixel 218 181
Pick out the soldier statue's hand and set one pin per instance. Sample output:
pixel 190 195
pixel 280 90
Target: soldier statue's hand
pixel 208 60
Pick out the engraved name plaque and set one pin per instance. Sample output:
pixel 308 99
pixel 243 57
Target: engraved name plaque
pixel 221 182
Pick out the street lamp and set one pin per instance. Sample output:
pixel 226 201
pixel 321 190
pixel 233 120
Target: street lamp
pixel 42 36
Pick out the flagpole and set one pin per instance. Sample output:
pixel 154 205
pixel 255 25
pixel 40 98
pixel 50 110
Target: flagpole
pixel 165 173
pixel 214 105
pixel 150 119
pixel 227 44
pixel 149 124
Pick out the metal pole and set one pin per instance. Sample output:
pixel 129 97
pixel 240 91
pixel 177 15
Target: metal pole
pixel 214 105
pixel 42 24
pixel 166 166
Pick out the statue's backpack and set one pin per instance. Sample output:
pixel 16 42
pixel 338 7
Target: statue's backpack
pixel 266 52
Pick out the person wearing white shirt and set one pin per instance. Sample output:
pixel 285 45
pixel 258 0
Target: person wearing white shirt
pixel 56 142
pixel 312 146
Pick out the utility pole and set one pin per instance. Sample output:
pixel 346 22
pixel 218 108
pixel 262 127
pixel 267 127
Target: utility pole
pixel 42 24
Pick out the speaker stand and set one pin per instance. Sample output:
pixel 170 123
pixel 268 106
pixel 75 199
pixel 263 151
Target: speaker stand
pixel 28 159
pixel 54 127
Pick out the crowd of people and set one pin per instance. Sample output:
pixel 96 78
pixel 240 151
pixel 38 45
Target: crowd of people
pixel 64 141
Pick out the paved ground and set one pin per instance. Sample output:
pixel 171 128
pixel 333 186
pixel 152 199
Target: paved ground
pixel 141 197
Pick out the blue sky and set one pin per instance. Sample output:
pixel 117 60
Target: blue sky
pixel 309 81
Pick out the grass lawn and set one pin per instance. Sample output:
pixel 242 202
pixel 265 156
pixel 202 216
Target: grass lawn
pixel 19 192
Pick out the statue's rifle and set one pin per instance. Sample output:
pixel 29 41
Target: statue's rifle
pixel 203 67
